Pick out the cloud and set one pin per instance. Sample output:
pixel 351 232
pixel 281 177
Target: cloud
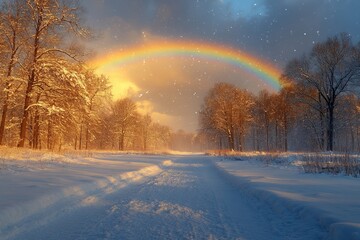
pixel 173 89
pixel 122 85
pixel 285 30
pixel 174 86
pixel 176 121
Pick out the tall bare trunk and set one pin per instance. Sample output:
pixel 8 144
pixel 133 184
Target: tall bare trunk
pixel 5 105
pixel 23 125
pixel 76 140
pixel 330 129
pixel 80 136
pixel 230 136
pixel 31 81
pixel 240 141
pixel 121 141
pixel 36 131
pixel 14 50
pixel 49 134
pixel 87 135
pixel 3 118
pixel 267 137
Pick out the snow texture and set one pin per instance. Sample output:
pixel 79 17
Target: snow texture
pixel 113 196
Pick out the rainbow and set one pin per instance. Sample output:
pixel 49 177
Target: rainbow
pixel 263 70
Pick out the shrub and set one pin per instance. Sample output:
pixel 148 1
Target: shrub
pixel 332 164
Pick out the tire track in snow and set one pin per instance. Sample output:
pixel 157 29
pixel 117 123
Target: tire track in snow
pixel 188 199
pixel 42 212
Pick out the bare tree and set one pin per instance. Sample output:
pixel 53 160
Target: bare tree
pixel 161 136
pixel 329 71
pixel 285 110
pixel 265 115
pixel 226 111
pixel 219 110
pixel 245 102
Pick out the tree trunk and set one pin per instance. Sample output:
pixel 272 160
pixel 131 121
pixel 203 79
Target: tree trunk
pixel 121 142
pixel 330 129
pixel 145 143
pixel 240 141
pixel 3 119
pixel 267 137
pixel 220 143
pixel 285 135
pixel 322 127
pixel 5 109
pixel 30 82
pixel 60 145
pixel 8 75
pixel 257 137
pixel 231 141
pixel 80 137
pixel 76 139
pixel 36 131
pixel 87 131
pixel 23 125
pixel 49 135
pixel 87 134
pixel 36 126
pixel 352 135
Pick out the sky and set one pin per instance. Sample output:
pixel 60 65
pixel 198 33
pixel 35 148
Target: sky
pixel 172 88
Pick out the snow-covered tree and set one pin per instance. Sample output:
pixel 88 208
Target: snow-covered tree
pixel 50 109
pixel 49 22
pixel 125 115
pixel 98 90
pixel 13 22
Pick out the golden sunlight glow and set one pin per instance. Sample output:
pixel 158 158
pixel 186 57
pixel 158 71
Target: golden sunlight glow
pixel 168 78
pixel 122 85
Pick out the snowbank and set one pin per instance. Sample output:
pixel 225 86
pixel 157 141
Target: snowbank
pixel 35 184
pixel 331 201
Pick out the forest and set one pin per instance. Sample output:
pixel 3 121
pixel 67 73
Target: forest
pixel 51 99
pixel 317 108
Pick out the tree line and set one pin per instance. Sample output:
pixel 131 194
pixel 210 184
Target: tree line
pixel 317 108
pixel 49 98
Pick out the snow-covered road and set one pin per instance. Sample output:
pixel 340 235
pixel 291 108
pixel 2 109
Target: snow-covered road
pixel 189 198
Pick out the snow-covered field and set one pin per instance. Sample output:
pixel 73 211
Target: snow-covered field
pixel 331 200
pixel 129 196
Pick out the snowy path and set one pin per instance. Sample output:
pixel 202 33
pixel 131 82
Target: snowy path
pixel 189 199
